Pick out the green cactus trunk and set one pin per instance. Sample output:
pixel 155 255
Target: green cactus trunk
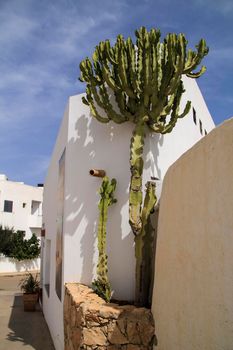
pixel 143 248
pixel 136 168
pixel 101 285
pixel 138 217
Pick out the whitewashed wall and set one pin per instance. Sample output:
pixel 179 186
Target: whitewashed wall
pixel 52 306
pixel 90 144
pixel 9 265
pixel 168 148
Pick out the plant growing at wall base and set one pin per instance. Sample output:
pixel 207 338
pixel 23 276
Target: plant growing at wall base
pixel 101 285
pixel 146 81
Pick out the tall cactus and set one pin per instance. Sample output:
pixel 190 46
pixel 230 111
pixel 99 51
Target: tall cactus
pixel 101 285
pixel 146 80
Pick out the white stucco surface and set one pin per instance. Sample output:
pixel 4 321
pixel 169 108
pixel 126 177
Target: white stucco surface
pixel 9 265
pixel 90 144
pixel 52 306
pixel 192 300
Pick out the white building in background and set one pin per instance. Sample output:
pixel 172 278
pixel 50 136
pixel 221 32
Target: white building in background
pixel 20 209
pixel 70 213
pixel 21 206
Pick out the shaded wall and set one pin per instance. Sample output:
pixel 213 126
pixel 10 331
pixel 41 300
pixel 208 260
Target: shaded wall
pixel 192 300
pixel 52 305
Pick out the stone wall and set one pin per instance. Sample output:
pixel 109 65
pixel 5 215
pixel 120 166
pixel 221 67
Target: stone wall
pixel 90 323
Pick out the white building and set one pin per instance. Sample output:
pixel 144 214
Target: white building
pixel 20 209
pixel 71 198
pixel 21 206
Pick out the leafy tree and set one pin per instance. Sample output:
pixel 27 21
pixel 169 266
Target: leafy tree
pixel 14 245
pixel 5 239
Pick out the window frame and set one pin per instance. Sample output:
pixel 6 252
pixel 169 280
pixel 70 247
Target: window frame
pixel 8 206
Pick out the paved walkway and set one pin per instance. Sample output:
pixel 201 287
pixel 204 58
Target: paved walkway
pixel 19 329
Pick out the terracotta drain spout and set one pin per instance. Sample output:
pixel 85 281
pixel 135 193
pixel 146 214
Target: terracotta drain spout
pixel 97 172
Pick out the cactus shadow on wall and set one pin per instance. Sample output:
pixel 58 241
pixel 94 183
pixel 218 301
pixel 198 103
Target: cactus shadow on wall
pixel 103 147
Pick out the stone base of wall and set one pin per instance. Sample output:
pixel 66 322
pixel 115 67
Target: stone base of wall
pixel 90 323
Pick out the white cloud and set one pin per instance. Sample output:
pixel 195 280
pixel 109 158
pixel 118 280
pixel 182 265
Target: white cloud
pixel 38 51
pixel 15 28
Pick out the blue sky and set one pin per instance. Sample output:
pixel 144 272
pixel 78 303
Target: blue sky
pixel 42 43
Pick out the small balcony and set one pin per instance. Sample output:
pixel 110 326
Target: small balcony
pixel 35 221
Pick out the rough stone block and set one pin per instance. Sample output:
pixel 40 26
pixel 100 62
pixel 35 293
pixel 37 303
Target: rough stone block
pixel 94 336
pixel 115 336
pixel 91 324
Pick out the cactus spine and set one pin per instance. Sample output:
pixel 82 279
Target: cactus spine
pixel 101 285
pixel 146 80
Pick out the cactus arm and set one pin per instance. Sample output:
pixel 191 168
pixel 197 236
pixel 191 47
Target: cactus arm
pixel 186 110
pixel 154 81
pixel 123 69
pixel 197 74
pixel 156 78
pixel 107 106
pixel 102 100
pixel 147 68
pixel 139 62
pixel 194 59
pixel 90 101
pixel 108 78
pixel 101 285
pixel 131 55
pixel 110 53
pixel 123 105
pixel 175 111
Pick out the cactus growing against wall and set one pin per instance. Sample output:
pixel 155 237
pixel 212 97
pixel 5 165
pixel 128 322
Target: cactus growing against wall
pixel 146 80
pixel 101 285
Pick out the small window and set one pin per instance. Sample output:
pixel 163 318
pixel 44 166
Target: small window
pixel 8 206
pixel 194 116
pixel 24 205
pixel 206 132
pixel 36 207
pixel 200 124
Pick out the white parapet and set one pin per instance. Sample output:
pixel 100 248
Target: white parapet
pixel 10 265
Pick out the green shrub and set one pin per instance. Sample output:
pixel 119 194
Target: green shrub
pixel 14 245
